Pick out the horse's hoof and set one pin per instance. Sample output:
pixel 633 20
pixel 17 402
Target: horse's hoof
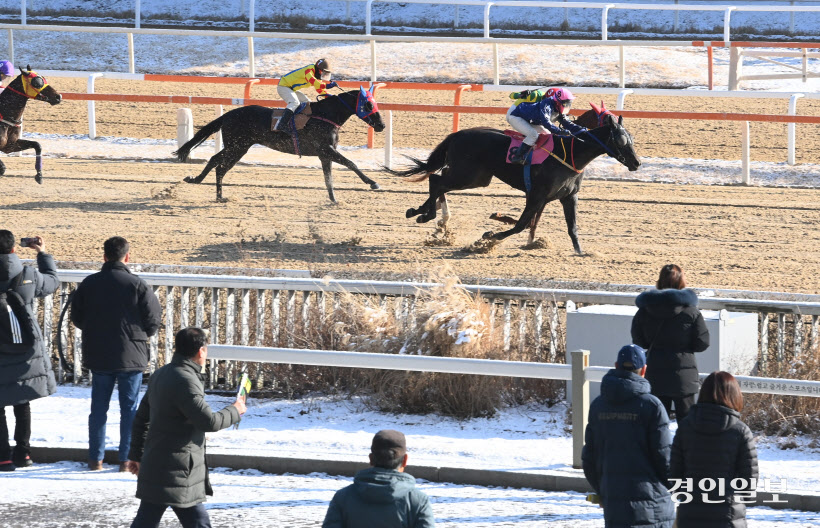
pixel 375 186
pixel 220 199
pixel 494 216
pixel 410 213
pixel 189 180
pixel 39 178
pixel 487 235
pixel 424 219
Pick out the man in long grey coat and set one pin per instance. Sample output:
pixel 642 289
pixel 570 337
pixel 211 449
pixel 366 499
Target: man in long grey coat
pixel 382 495
pixel 168 439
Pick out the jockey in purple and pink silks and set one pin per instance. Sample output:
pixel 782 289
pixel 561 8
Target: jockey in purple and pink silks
pixel 535 112
pixel 316 75
pixel 6 71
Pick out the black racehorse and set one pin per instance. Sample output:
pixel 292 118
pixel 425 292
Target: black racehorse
pixel 243 127
pixel 13 99
pixel 470 158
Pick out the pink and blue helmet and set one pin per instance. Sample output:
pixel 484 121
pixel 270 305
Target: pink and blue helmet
pixel 563 99
pixel 6 68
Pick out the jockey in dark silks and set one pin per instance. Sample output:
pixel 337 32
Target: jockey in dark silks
pixel 539 112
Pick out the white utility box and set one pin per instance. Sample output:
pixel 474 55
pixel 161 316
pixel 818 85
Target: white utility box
pixel 604 329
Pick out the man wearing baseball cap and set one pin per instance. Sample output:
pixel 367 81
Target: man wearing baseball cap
pixel 382 495
pixel 627 447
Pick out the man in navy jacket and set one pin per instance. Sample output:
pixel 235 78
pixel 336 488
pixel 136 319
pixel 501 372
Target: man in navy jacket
pixel 627 447
pixel 118 313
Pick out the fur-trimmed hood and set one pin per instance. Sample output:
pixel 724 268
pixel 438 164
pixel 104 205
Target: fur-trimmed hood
pixel 666 303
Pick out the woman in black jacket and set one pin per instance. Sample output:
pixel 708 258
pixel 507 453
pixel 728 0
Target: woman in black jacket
pixel 671 329
pixel 712 443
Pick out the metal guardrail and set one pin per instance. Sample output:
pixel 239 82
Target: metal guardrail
pixel 528 319
pixel 579 373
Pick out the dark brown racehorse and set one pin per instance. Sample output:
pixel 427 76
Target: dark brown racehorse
pixel 468 159
pixel 13 99
pixel 243 127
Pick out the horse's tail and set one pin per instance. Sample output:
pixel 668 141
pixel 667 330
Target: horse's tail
pixel 423 169
pixel 204 133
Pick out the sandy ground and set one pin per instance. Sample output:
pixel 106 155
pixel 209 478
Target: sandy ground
pixel 279 217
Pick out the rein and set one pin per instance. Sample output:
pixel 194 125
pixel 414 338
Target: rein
pixel 609 151
pixel 19 93
pixel 572 156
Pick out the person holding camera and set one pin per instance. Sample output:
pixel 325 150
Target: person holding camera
pixel 118 313
pixel 25 367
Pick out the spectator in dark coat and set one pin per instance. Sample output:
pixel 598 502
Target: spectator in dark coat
pixel 23 376
pixel 626 452
pixel 712 443
pixel 118 313
pixel 168 441
pixel 382 495
pixel 671 329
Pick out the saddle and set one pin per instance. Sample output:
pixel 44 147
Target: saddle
pixel 301 116
pixel 540 151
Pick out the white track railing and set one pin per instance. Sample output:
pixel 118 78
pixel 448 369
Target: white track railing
pixel 579 373
pixel 529 319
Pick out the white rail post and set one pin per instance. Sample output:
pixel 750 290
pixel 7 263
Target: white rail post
pixel 137 14
pixel 619 105
pixel 735 68
pixel 621 68
pixel 218 137
pixel 252 18
pixel 23 12
pixel 11 45
pixel 131 62
pixel 347 11
pixel 185 126
pixel 455 17
pixel 373 76
pixel 726 17
pixel 791 20
pixel 496 66
pixel 92 113
pixel 368 12
pixel 675 27
pixel 566 15
pixel 251 58
pixel 604 23
pixel 487 7
pixel 388 141
pixel 580 403
pixel 744 154
pixel 792 126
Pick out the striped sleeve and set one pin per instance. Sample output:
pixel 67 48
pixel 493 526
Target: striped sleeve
pixel 313 81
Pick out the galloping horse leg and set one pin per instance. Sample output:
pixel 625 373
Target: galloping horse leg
pixel 534 223
pixel 25 144
pixel 445 210
pixel 215 160
pixel 228 161
pixel 333 155
pixel 437 192
pixel 570 203
pixel 327 167
pixel 530 211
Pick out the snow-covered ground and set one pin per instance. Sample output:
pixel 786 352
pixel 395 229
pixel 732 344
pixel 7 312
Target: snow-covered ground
pixel 530 439
pixel 46 496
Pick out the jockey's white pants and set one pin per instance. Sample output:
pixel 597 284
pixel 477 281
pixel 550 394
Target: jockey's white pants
pixel 523 126
pixel 291 97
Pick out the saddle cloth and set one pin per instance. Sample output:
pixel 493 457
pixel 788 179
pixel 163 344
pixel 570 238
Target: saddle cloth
pixel 302 116
pixel 540 151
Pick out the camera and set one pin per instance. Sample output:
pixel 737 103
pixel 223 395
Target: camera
pixel 28 241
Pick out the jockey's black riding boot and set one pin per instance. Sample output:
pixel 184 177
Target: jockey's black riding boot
pixel 520 154
pixel 284 121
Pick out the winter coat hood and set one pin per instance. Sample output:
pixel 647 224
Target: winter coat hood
pixel 665 304
pixel 382 486
pixel 10 267
pixel 619 386
pixel 712 419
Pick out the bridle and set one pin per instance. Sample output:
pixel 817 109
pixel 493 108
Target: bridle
pixel 611 139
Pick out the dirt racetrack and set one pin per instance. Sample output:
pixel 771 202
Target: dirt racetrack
pixel 732 237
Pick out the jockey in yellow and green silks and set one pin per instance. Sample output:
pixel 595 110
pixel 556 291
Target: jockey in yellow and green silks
pixel 315 75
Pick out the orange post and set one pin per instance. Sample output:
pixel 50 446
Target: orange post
pixel 458 103
pixel 248 88
pixel 370 133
